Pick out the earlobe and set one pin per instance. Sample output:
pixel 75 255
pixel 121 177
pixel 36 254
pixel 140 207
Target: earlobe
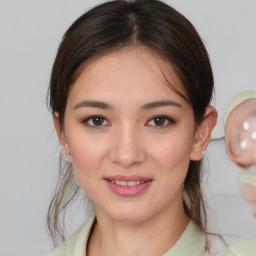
pixel 62 137
pixel 203 134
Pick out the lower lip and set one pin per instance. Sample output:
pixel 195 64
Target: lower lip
pixel 128 191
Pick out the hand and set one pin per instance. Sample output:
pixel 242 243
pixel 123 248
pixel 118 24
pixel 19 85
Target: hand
pixel 240 140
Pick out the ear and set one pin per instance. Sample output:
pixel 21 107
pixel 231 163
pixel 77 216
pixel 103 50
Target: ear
pixel 62 137
pixel 203 134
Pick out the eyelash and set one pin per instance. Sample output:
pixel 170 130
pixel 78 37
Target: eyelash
pixel 168 119
pixel 85 121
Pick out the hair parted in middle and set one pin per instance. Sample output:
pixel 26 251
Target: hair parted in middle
pixel 114 25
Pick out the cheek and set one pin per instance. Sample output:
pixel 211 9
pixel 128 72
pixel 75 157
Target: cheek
pixel 86 159
pixel 171 152
pixel 171 158
pixel 87 154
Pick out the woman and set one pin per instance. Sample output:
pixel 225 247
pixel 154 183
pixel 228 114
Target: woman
pixel 130 92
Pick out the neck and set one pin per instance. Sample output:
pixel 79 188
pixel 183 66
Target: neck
pixel 154 236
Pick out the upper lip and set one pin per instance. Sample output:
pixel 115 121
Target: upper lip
pixel 128 178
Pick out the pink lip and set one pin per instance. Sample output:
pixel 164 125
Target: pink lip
pixel 128 178
pixel 127 190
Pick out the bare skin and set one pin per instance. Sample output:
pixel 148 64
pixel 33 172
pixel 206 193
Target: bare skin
pixel 124 135
pixel 147 238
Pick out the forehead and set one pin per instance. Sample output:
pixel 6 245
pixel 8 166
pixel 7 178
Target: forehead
pixel 132 72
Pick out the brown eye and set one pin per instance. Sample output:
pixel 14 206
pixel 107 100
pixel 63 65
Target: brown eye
pixel 160 121
pixel 95 121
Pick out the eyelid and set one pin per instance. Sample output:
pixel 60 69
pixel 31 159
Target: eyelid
pixel 86 119
pixel 169 119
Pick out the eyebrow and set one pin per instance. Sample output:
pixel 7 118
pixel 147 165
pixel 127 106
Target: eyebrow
pixel 163 103
pixel 93 104
pixel 147 106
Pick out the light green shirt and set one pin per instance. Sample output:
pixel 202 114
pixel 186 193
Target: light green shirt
pixel 191 243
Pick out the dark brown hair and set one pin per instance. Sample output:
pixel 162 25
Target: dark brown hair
pixel 114 25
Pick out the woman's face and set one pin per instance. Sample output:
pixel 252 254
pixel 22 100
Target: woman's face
pixel 130 136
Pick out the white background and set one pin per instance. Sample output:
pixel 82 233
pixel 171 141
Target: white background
pixel 30 32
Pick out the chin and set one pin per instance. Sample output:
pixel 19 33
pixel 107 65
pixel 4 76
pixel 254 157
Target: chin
pixel 128 213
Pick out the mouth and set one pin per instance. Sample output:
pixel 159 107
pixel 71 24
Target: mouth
pixel 128 185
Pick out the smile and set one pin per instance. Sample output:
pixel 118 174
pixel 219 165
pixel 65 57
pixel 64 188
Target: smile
pixel 127 183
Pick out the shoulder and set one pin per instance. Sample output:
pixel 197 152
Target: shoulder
pixel 242 248
pixel 76 243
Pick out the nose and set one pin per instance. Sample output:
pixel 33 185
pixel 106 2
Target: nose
pixel 127 148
